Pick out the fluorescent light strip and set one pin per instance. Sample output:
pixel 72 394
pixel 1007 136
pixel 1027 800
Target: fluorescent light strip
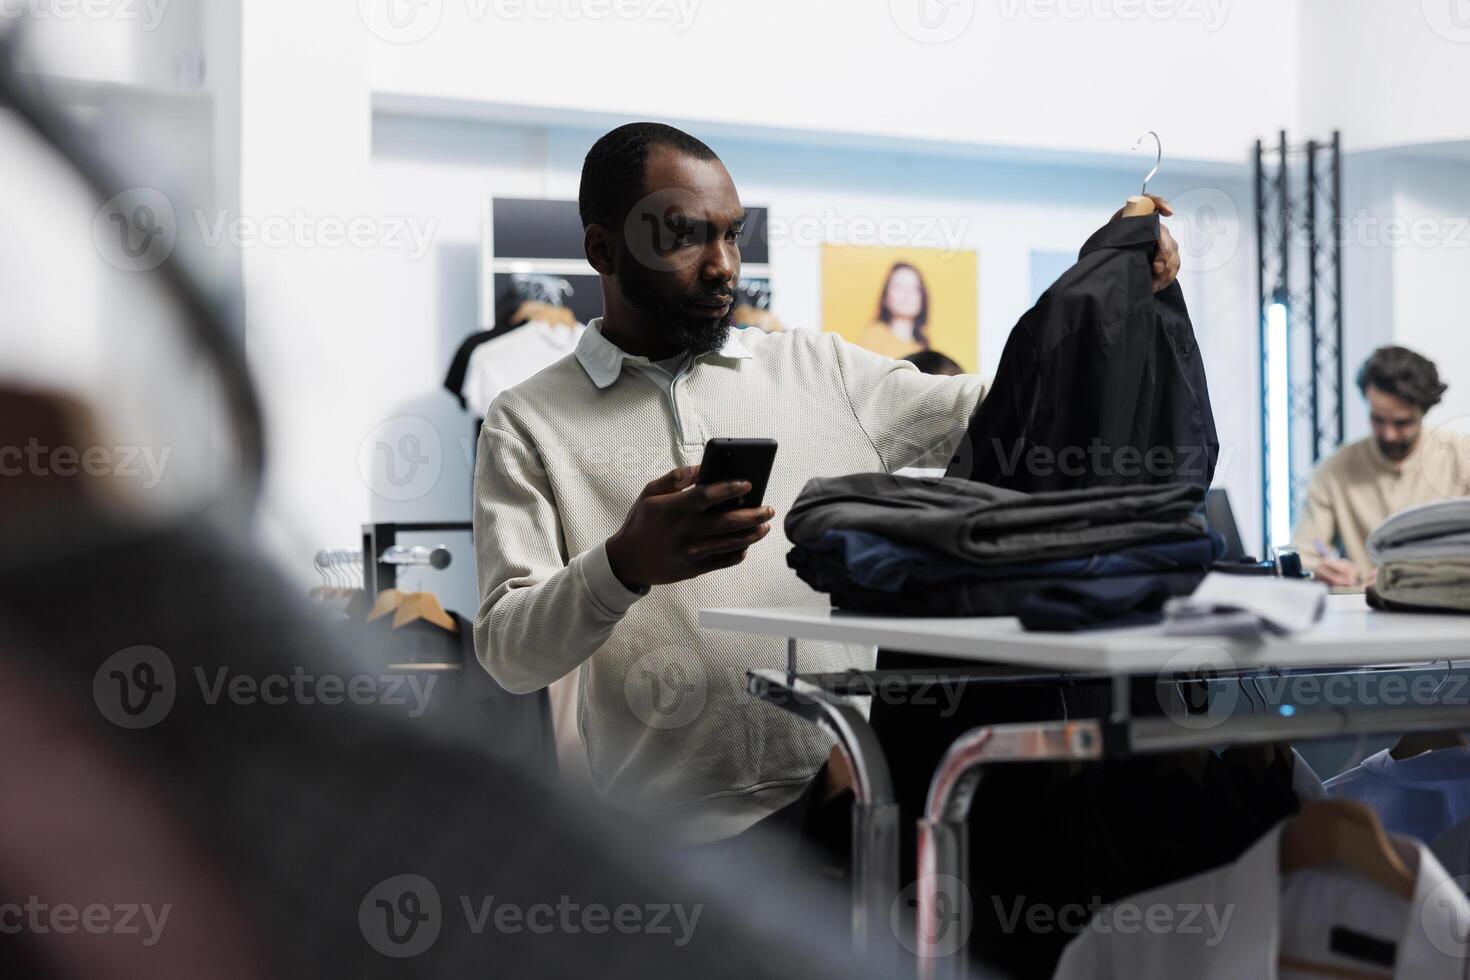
pixel 1278 402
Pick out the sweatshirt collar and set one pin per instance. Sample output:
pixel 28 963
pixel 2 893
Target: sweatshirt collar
pixel 603 360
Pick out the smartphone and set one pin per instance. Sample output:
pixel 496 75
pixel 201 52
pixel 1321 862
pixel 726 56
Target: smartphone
pixel 739 459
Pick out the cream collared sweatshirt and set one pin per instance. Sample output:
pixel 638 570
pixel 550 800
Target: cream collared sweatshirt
pixel 663 708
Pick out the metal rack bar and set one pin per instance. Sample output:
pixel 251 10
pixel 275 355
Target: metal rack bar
pixel 1336 257
pixel 378 538
pixel 1312 296
pixel 874 813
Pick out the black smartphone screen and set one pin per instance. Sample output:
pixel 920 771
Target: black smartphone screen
pixel 739 459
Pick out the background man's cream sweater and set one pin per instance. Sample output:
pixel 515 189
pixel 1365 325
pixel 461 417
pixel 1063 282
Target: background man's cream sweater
pixel 562 457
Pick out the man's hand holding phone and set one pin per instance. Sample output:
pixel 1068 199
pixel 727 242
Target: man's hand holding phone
pixel 674 530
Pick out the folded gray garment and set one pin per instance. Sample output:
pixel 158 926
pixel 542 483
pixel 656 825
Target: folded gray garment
pixel 1443 583
pixel 1437 530
pixel 983 523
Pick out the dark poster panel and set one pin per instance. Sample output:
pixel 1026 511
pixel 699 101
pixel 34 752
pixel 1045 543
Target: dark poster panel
pixel 527 229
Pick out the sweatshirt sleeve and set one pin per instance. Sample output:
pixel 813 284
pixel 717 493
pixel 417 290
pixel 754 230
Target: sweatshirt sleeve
pixel 540 615
pixel 1317 523
pixel 911 418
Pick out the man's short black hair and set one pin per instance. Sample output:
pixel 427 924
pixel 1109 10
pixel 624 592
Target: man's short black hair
pixel 1399 372
pixel 614 171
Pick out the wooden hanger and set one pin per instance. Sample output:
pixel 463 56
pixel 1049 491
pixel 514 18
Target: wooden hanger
pixel 1347 833
pixel 425 606
pixel 536 310
pixel 386 602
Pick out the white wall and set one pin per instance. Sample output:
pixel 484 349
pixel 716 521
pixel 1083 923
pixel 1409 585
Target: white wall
pixel 1430 248
pixel 1063 75
pixel 1389 73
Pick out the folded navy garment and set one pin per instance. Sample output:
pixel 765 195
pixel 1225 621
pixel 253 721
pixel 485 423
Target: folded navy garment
pixel 964 597
pixel 873 561
pixel 1094 604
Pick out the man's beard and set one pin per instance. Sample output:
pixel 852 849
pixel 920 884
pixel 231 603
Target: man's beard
pixel 1396 451
pixel 686 326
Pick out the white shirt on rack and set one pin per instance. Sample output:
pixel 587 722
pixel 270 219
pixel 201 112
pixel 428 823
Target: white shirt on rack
pixel 505 361
pixel 1234 923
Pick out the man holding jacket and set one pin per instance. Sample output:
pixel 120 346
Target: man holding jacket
pixel 596 547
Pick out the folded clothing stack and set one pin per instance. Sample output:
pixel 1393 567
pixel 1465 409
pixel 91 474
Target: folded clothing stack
pixel 952 547
pixel 1423 559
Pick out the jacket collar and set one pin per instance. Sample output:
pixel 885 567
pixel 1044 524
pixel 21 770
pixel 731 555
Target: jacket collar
pixel 603 360
pixel 1124 233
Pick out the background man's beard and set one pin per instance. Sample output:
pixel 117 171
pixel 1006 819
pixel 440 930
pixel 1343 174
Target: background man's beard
pixel 1394 450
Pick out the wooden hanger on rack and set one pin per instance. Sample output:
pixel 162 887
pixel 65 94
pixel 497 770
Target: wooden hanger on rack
pixel 386 602
pixel 424 606
pixel 533 309
pixel 1344 833
pixel 1141 204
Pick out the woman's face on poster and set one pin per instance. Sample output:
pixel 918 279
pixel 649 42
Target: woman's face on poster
pixel 905 295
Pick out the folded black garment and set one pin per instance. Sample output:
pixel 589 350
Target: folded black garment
pixel 1070 607
pixel 981 597
pixel 983 523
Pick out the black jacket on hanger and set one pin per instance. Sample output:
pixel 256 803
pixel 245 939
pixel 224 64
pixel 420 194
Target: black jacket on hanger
pixel 1100 383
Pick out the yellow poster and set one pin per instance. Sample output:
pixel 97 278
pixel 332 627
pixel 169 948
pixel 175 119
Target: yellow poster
pixel 898 301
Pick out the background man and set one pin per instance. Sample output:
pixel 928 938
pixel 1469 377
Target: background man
pixel 1366 482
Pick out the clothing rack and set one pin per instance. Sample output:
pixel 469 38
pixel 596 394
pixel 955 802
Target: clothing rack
pixel 993 651
pixel 381 541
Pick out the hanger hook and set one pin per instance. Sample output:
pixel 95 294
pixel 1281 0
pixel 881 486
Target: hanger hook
pixel 1158 156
